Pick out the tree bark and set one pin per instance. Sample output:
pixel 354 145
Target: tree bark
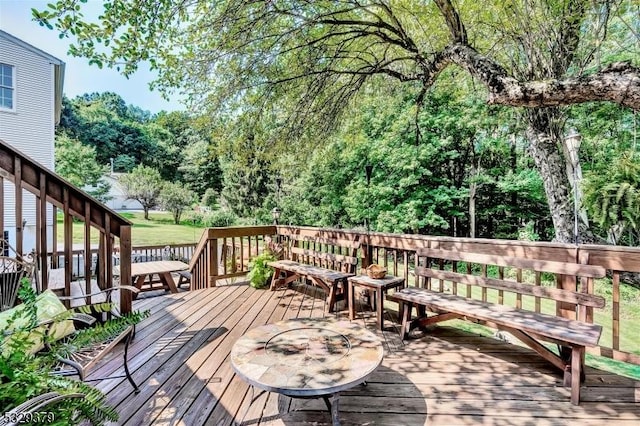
pixel 544 145
pixel 619 82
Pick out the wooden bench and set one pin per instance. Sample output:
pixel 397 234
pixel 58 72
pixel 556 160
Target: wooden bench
pixel 529 326
pixel 325 262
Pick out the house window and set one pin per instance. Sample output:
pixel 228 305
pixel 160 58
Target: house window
pixel 7 86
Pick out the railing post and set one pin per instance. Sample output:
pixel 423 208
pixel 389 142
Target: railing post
pixel 125 267
pixel 213 262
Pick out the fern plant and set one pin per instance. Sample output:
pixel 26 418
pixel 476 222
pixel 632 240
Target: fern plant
pixel 612 197
pixel 24 375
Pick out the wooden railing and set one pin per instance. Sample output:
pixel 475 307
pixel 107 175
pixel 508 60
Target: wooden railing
pixel 397 253
pixel 182 252
pixel 224 253
pixel 34 183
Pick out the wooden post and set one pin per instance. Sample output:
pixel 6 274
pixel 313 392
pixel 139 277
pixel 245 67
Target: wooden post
pixel 41 246
pixel 68 243
pixel 567 282
pixel 87 249
pixel 125 267
pixel 18 206
pixel 213 262
pixel 2 204
pixel 54 240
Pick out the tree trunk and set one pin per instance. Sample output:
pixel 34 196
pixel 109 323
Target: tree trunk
pixel 543 132
pixel 146 213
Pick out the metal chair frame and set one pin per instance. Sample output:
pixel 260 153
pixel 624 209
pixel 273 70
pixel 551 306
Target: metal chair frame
pixel 12 270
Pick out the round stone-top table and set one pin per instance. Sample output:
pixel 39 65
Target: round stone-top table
pixel 307 358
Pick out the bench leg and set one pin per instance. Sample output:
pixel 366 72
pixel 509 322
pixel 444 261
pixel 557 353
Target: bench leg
pixel 406 308
pixel 573 373
pixel 380 308
pixel 351 300
pixel 331 302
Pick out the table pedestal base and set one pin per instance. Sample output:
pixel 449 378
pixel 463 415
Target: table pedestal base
pixel 331 401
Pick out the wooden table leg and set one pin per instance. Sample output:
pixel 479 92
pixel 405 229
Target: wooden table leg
pixel 139 281
pixel 351 300
pixel 168 282
pixel 380 308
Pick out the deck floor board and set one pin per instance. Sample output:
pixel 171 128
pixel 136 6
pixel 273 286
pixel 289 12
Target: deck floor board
pixel 180 358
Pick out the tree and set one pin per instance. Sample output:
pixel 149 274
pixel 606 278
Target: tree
pixel 200 167
pixel 175 197
pixel 306 61
pixel 105 122
pixel 77 163
pixel 143 184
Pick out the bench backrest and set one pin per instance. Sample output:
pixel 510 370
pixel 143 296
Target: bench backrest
pixel 519 286
pixel 330 253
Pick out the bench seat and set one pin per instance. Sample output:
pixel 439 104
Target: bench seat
pixel 319 260
pixel 540 324
pixel 529 326
pixel 327 279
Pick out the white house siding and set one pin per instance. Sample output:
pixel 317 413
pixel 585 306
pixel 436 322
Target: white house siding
pixel 30 127
pixel 117 198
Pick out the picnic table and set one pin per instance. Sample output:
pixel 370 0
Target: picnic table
pixel 161 268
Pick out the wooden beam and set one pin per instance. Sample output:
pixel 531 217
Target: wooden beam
pixel 564 268
pixel 18 206
pixel 41 245
pixel 2 204
pixel 125 267
pixel 542 350
pixel 87 250
pixel 424 322
pixel 68 244
pixel 561 295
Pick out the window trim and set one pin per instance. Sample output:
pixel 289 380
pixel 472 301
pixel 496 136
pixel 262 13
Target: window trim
pixel 13 87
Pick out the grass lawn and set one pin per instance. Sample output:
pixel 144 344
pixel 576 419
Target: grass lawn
pixel 158 230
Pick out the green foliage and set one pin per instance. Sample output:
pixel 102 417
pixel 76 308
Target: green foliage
pixel 104 122
pixel 175 198
pixel 143 184
pixel 210 198
pixel 213 218
pixel 24 376
pixel 259 272
pixel 287 75
pixel 77 163
pixel 199 166
pixel 612 197
pixel 173 143
pixel 245 182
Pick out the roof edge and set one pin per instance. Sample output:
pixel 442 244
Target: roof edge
pixel 31 48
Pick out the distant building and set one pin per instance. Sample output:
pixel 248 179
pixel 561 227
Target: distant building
pixel 31 83
pixel 116 198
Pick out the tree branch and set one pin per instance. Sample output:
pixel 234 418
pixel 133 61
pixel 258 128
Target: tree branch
pixel 619 82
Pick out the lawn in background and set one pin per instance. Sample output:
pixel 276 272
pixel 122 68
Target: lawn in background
pixel 159 230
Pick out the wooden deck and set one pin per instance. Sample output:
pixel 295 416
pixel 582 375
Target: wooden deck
pixel 180 358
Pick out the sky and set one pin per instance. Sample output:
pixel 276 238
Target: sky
pixel 80 78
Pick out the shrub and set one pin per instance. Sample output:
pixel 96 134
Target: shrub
pixel 259 271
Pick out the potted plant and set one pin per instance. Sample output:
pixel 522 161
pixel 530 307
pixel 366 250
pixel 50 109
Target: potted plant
pixel 259 272
pixel 25 375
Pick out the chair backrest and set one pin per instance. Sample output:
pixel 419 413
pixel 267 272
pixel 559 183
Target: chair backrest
pixel 12 271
